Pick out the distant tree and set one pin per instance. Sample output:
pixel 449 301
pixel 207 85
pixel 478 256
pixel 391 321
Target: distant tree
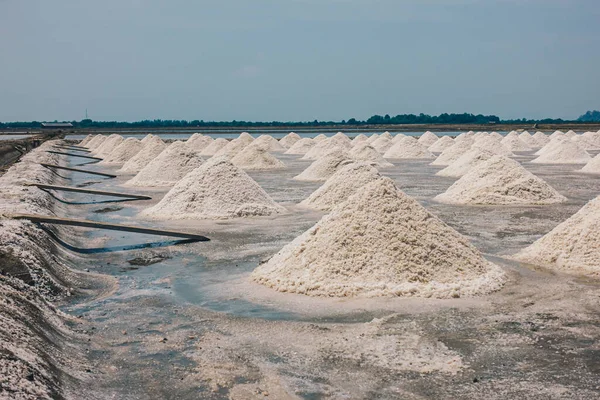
pixel 590 116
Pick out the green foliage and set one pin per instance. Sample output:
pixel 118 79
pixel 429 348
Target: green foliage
pixel 590 116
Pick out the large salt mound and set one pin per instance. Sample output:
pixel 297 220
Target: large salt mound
pixel 233 147
pixel 492 144
pixel 593 166
pixel 442 144
pixel 288 140
pixel 215 146
pixel 152 148
pixel 398 137
pixel 107 146
pixel 551 145
pixel 148 137
pixel 95 142
pixel 168 167
pixel 529 140
pixel 500 181
pixel 373 138
pixel 269 143
pixel 587 140
pixel 359 139
pixel 380 242
pixel 325 166
pixel 465 136
pixel 341 185
pixel 199 141
pixel 382 144
pixel 514 143
pixel 245 136
pixel 365 152
pixel 565 152
pixel 320 137
pixel 216 190
pixel 302 146
pixel 123 152
pixel 453 152
pixel 341 136
pixel 466 162
pixel 428 138
pixel 570 134
pixel 573 246
pixel 541 138
pixel 325 147
pixel 86 140
pixel 496 135
pixel 557 134
pixel 255 156
pixel 408 147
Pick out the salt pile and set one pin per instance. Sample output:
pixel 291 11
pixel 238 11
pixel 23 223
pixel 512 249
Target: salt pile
pixel 199 141
pixel 493 145
pixel 428 138
pixel 593 166
pixel 408 147
pixel 168 167
pixel 398 137
pixel 341 185
pixel 380 242
pixel 148 137
pixel 96 141
pixel 320 138
pixel 152 148
pixel 442 144
pixel 245 136
pixel 108 145
pixel 341 136
pixel 570 134
pixel 216 190
pixel 373 138
pixel 86 140
pixel 326 146
pixel 466 162
pixel 564 152
pixel 215 146
pixel 382 144
pixel 325 166
pixel 453 152
pixel 302 146
pixel 588 140
pixel 514 143
pixel 359 139
pixel 255 156
pixel 529 140
pixel 541 138
pixel 233 147
pixel 123 152
pixel 365 152
pixel 500 181
pixel 269 143
pixel 557 134
pixel 288 140
pixel 496 135
pixel 573 246
pixel 465 136
pixel 552 144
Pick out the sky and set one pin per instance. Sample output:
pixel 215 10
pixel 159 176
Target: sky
pixel 297 60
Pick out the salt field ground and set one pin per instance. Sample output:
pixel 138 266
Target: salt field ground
pixel 186 321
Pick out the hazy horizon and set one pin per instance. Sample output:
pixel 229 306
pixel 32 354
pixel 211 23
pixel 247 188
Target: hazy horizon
pixel 297 60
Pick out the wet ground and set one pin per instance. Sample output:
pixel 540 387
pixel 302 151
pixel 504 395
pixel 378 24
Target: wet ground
pixel 191 325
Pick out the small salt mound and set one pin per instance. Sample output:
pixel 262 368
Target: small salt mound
pixel 365 152
pixel 380 242
pixel 288 140
pixel 408 147
pixel 512 134
pixel 97 141
pixel 428 138
pixel 199 141
pixel 565 152
pixel 453 152
pixel 326 146
pixel 541 138
pixel 359 139
pixel 466 163
pixel 320 138
pixel 255 156
pixel 388 135
pixel 245 136
pixel 570 134
pixel 152 148
pixel 302 146
pixel 269 143
pixel 215 146
pixel 373 138
pixel 382 144
pixel 500 181
pixel 341 136
pixel 168 167
pixel 496 135
pixel 123 152
pixel 588 141
pixel 86 140
pixel 465 136
pixel 232 148
pixel 442 144
pixel 108 145
pixel 398 137
pixel 341 185
pixel 529 140
pixel 325 166
pixel 216 190
pixel 147 138
pixel 593 166
pixel 557 134
pixel 514 143
pixel 573 246
pixel 493 145
pixel 551 145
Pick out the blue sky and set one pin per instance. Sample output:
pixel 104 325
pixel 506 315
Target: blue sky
pixel 297 59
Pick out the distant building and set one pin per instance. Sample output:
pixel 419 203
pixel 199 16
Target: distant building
pixel 56 125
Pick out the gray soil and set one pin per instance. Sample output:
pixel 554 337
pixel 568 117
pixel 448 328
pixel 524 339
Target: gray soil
pixel 191 325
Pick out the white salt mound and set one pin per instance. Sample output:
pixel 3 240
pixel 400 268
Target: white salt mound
pixel 320 137
pixel 302 146
pixel 541 138
pixel 245 136
pixel 398 137
pixel 593 166
pixel 492 144
pixel 496 135
pixel 86 140
pixel 382 144
pixel 325 166
pixel 256 157
pixel 408 147
pixel 148 137
pixel 216 190
pixel 199 141
pixel 123 152
pixel 529 140
pixel 453 152
pixel 428 138
pixel 108 145
pixel 341 185
pixel 557 134
pixel 373 138
pixel 359 139
pixel 168 167
pixel 551 145
pixel 514 143
pixel 500 181
pixel 442 144
pixel 570 134
pixel 388 135
pixel 380 242
pixel 341 136
pixel 588 140
pixel 466 162
pixel 365 152
pixel 233 147
pixel 269 143
pixel 215 146
pixel 573 246
pixel 565 152
pixel 152 148
pixel 326 146
pixel 95 142
pixel 288 140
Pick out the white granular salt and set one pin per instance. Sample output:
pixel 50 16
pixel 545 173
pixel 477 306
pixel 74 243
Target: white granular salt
pixel 288 140
pixel 442 144
pixel 199 141
pixel 529 140
pixel 564 152
pixel 496 135
pixel 325 166
pixel 573 246
pixel 428 138
pixel 382 144
pixel 593 166
pixel 387 135
pixel 380 242
pixel 148 137
pixel 453 152
pixel 269 143
pixel 255 156
pixel 341 136
pixel 570 134
pixel 492 144
pixel 87 139
pixel 108 145
pixel 215 146
pixel 465 136
pixel 408 147
pixel 397 137
pixel 233 147
pixel 123 152
pixel 302 146
pixel 466 162
pixel 512 134
pixel 551 145
pixel 168 167
pixel 326 146
pixel 365 152
pixel 500 181
pixel 96 141
pixel 216 190
pixel 359 139
pixel 373 138
pixel 588 140
pixel 246 137
pixel 557 134
pixel 320 138
pixel 152 148
pixel 514 143
pixel 341 185
pixel 541 138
